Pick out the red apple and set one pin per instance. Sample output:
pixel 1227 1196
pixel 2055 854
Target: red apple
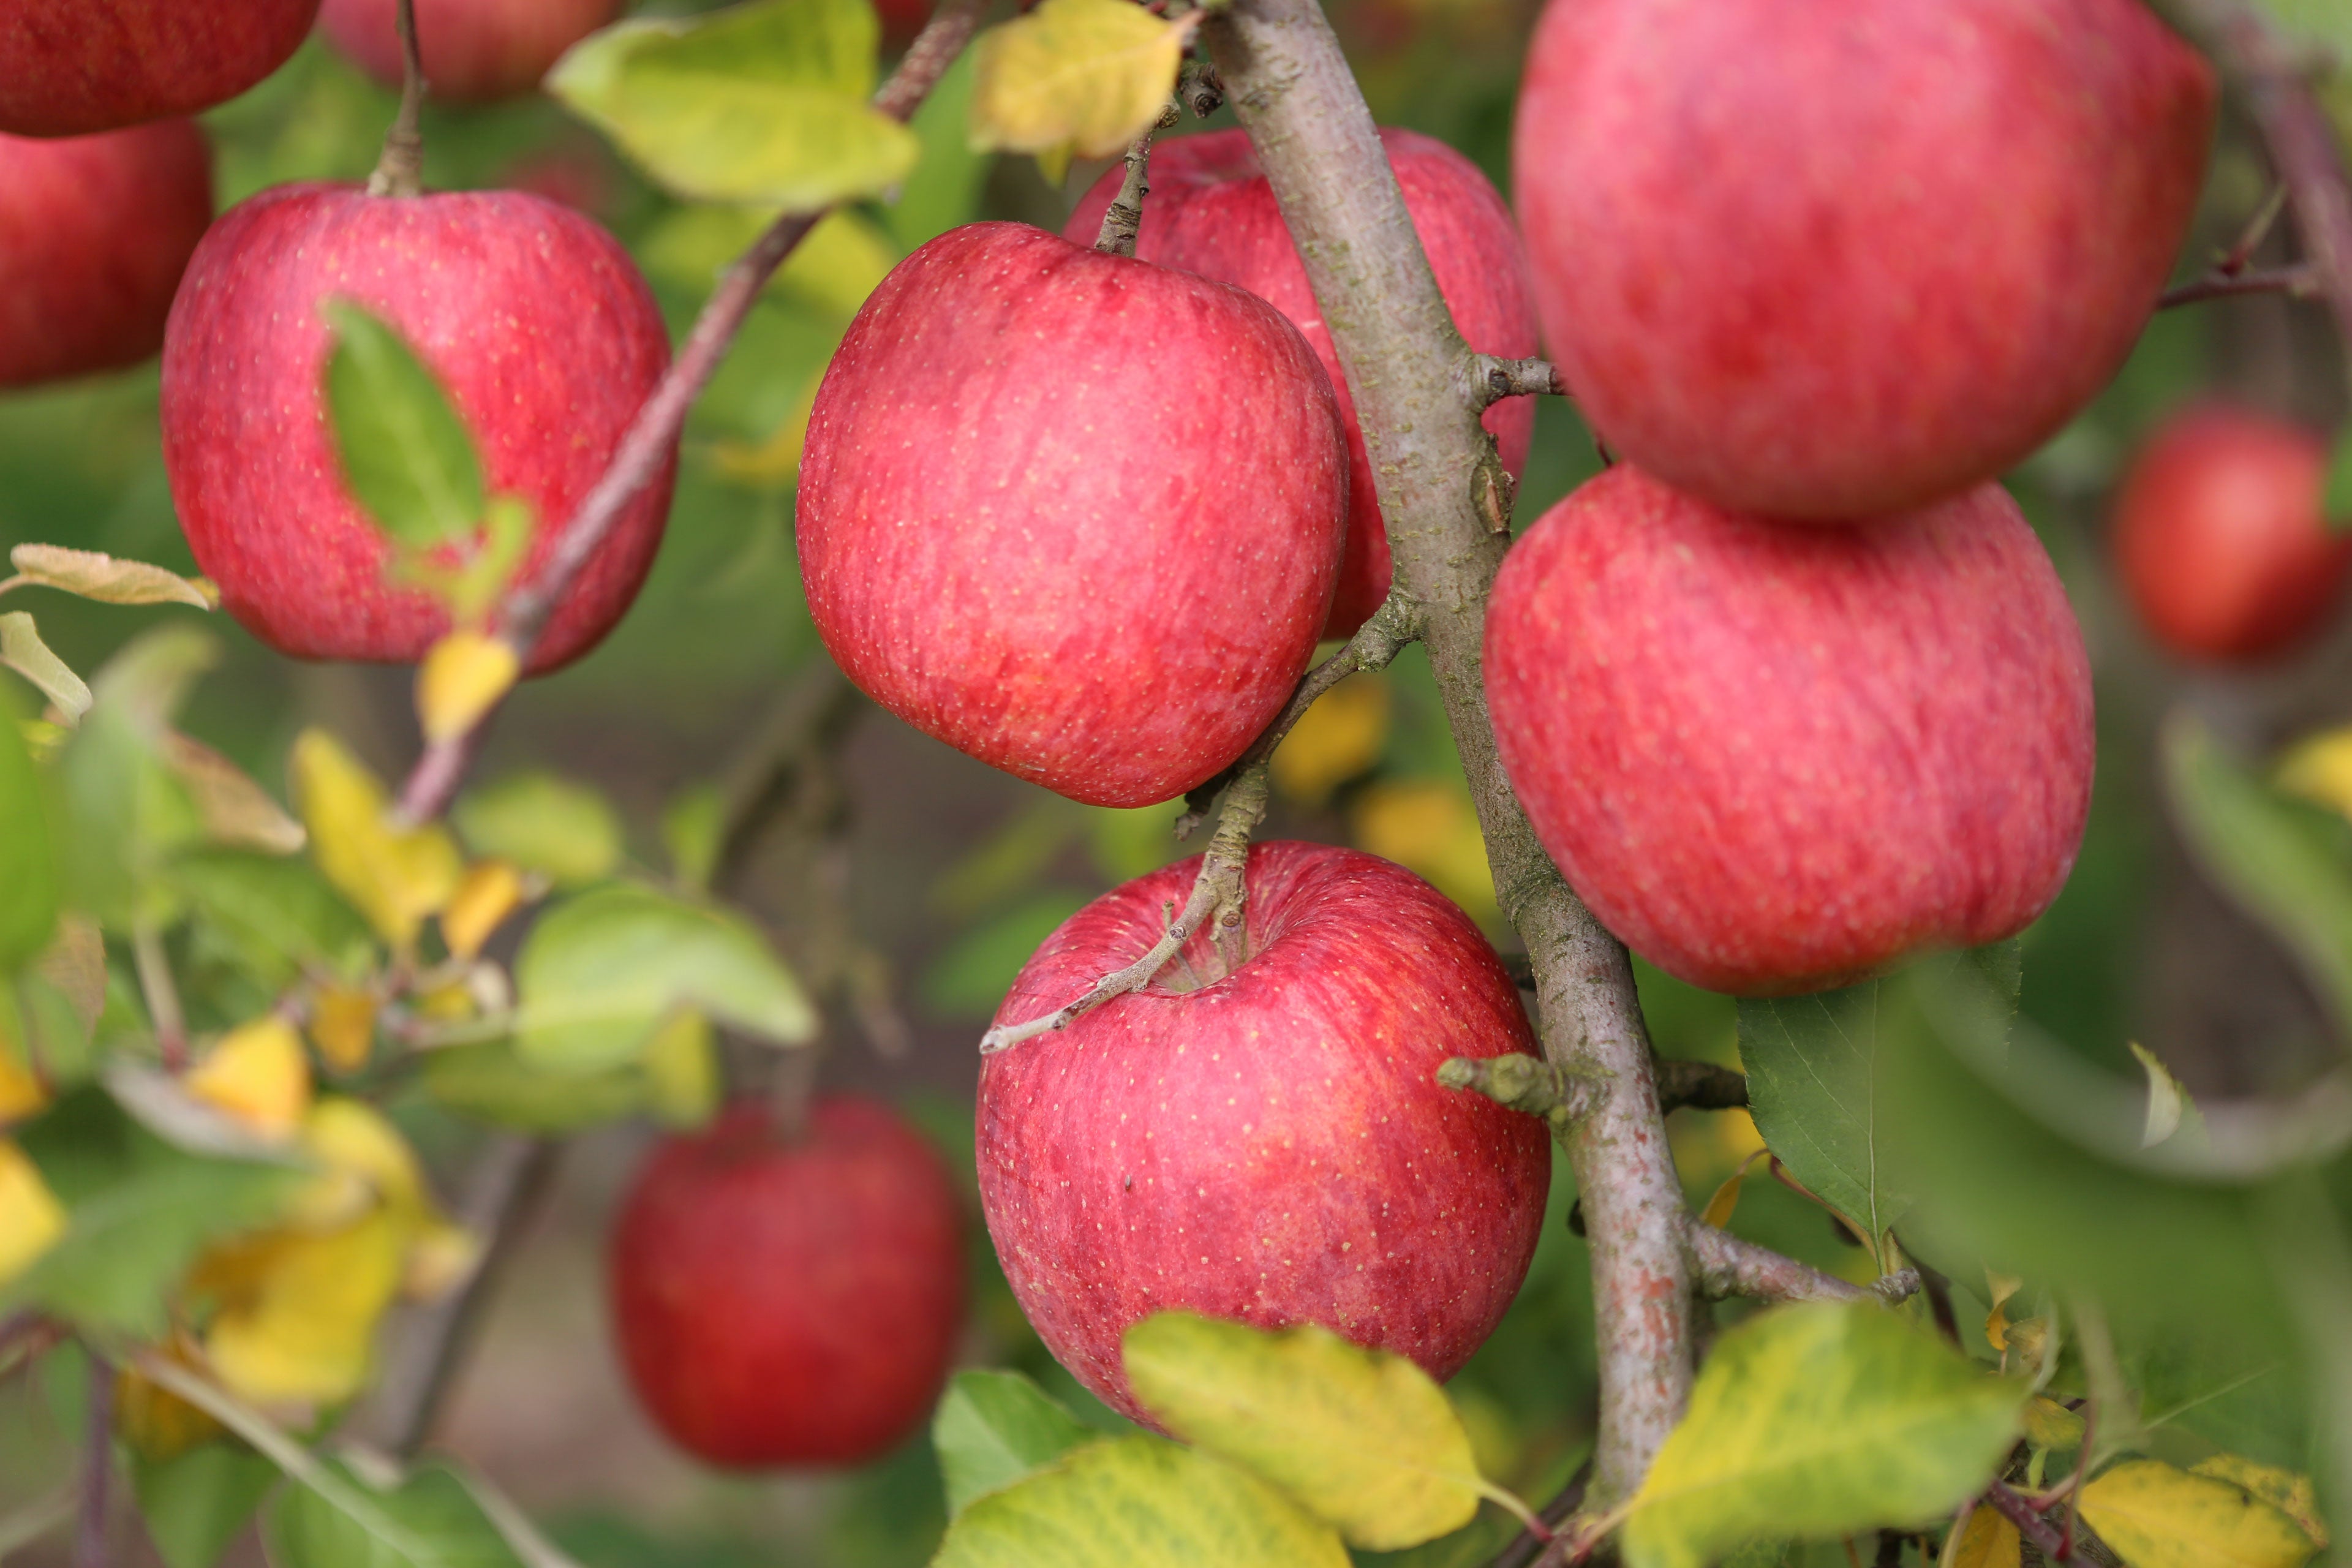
pixel 71 67
pixel 1074 514
pixel 475 51
pixel 791 1303
pixel 1776 759
pixel 902 19
pixel 1268 1144
pixel 534 318
pixel 1212 211
pixel 94 234
pixel 2219 538
pixel 1840 258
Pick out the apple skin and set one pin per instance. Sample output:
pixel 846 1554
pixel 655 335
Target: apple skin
pixel 538 323
pixel 94 234
pixel 1778 759
pixel 1077 515
pixel 1841 259
pixel 795 1303
pixel 1272 1148
pixel 475 51
pixel 2218 535
pixel 1211 211
pixel 69 68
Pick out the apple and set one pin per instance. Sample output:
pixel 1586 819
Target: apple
pixel 1776 759
pixel 902 19
pixel 1266 1143
pixel 2218 535
pixel 535 318
pixel 790 1302
pixel 1074 514
pixel 1211 211
pixel 94 233
pixel 1840 259
pixel 68 68
pixel 475 51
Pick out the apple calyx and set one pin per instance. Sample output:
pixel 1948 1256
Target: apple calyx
pixel 1562 1096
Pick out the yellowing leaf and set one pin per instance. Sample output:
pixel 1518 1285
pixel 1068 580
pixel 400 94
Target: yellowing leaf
pixel 2157 1517
pixel 257 1074
pixel 31 1218
pixel 1091 75
pixel 2319 769
pixel 2284 1490
pixel 2050 1425
pixel 394 877
pixel 1816 1420
pixel 681 1069
pixel 95 576
pixel 489 894
pixel 343 1025
pixel 352 1139
pixel 298 1310
pixel 1987 1540
pixel 22 650
pixel 2001 1288
pixel 1428 826
pixel 464 675
pixel 154 1421
pixel 1139 1503
pixel 1725 1201
pixel 440 1258
pixel 1364 1438
pixel 236 811
pixel 1339 736
pixel 22 1094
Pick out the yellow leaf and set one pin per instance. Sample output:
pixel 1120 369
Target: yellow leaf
pixel 2284 1490
pixel 1987 1540
pixel 2001 1288
pixel 394 877
pixel 153 1420
pixel 257 1074
pixel 1365 1439
pixel 95 575
pixel 1428 827
pixel 2159 1517
pixel 1092 74
pixel 31 1218
pixel 2050 1425
pixel 1725 1201
pixel 1339 736
pixel 488 893
pixel 235 810
pixel 343 1025
pixel 353 1139
pixel 462 676
pixel 2320 770
pixel 681 1069
pixel 298 1310
pixel 2028 1339
pixel 440 1257
pixel 21 1093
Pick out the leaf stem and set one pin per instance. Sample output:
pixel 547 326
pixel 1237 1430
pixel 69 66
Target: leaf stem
pixel 97 1467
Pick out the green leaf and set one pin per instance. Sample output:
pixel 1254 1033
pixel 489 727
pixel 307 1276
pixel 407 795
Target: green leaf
pixel 195 1504
pixel 28 861
pixel 1820 1419
pixel 2336 502
pixel 995 1429
pixel 431 1520
pixel 765 102
pixel 1815 1087
pixel 2157 1517
pixel 2285 861
pixel 281 917
pixel 564 831
pixel 972 975
pixel 944 190
pixel 491 1083
pixel 2323 22
pixel 1139 1503
pixel 138 1211
pixel 1366 1439
pixel 22 650
pixel 410 461
pixel 599 974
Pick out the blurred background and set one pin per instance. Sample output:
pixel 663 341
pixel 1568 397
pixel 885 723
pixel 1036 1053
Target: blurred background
pixel 939 876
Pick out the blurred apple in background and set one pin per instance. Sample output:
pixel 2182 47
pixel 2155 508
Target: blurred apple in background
pixel 474 51
pixel 68 68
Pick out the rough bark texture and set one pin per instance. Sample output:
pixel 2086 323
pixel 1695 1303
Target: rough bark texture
pixel 1411 376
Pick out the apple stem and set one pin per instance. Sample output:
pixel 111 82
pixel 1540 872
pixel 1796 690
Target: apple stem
pixel 1123 219
pixel 401 171
pixel 789 1094
pixel 2300 281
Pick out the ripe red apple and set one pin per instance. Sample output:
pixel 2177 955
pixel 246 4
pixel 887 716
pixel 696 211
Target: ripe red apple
pixel 1839 259
pixel 1268 1144
pixel 1074 514
pixel 1211 211
pixel 790 1302
pixel 475 51
pixel 68 68
pixel 2219 539
pixel 1776 759
pixel 94 234
pixel 535 318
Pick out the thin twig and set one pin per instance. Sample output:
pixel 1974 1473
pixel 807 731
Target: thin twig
pixel 646 446
pixel 2235 260
pixel 2029 1524
pixel 1220 892
pixel 153 967
pixel 401 171
pixel 97 1512
pixel 1491 380
pixel 1525 1547
pixel 758 782
pixel 2297 282
pixel 1699 1086
pixel 1727 1265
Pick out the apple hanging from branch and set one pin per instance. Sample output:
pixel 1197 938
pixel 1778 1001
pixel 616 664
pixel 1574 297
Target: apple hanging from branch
pixel 68 68
pixel 475 51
